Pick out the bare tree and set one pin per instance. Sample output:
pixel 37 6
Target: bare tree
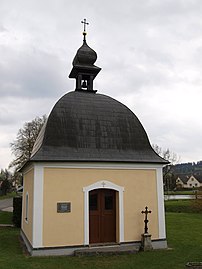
pixel 168 170
pixel 167 154
pixel 26 137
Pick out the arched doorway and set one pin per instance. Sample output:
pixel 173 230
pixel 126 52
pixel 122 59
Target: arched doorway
pixel 102 216
pixel 104 184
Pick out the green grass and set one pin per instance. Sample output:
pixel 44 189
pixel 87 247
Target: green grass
pixel 183 192
pixel 6 217
pixel 184 239
pixel 184 206
pixel 9 195
pixel 179 206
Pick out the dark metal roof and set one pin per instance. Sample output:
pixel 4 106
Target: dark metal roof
pixel 198 177
pixel 184 178
pixel 84 126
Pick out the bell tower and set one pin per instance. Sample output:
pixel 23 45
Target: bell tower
pixel 84 70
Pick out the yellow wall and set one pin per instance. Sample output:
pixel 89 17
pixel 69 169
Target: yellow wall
pixel 66 185
pixel 28 183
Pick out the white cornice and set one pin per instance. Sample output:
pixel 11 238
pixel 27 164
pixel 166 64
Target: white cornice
pixel 97 165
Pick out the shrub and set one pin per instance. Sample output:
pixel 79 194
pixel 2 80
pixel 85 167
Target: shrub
pixel 17 211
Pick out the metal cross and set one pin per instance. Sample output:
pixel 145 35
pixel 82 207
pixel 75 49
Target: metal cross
pixel 85 23
pixel 146 212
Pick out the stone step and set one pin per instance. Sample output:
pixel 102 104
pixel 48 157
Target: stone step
pixel 107 250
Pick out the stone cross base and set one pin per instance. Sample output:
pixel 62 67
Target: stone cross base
pixel 146 244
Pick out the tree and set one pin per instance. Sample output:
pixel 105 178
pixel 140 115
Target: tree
pixel 26 137
pixel 168 170
pixel 167 154
pixel 17 179
pixel 6 181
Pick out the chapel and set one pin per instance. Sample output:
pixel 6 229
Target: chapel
pixel 91 173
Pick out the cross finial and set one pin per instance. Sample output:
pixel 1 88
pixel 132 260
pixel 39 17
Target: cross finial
pixel 85 23
pixel 84 28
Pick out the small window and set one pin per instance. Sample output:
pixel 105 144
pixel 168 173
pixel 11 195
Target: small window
pixel 93 202
pixel 196 184
pixel 108 202
pixel 26 206
pixel 190 185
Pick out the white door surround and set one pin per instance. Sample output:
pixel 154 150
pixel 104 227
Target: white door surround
pixel 102 185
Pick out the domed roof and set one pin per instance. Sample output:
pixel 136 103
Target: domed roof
pixel 84 126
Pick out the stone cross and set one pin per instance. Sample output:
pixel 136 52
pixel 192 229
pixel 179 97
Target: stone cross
pixel 85 23
pixel 103 184
pixel 146 212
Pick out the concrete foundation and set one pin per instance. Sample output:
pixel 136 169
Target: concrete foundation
pixel 128 247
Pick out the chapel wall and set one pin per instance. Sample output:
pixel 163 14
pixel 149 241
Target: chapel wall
pixel 66 185
pixel 28 185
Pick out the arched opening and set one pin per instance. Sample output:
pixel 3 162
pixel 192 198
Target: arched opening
pixel 104 184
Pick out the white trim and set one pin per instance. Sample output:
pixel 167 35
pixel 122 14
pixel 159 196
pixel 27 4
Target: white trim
pixel 100 165
pixel 37 240
pixel 161 211
pixel 100 185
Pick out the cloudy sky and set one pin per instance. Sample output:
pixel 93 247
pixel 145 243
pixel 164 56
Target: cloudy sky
pixel 150 52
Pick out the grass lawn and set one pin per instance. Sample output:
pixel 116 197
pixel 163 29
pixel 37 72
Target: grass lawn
pixel 183 234
pixel 6 217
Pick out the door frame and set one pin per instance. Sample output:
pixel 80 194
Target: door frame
pixel 102 185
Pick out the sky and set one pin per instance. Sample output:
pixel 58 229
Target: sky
pixel 150 52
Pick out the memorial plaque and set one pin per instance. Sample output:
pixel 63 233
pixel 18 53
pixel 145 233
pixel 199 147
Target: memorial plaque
pixel 64 207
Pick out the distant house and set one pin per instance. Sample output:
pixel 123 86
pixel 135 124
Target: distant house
pixel 194 181
pixel 181 181
pixel 189 181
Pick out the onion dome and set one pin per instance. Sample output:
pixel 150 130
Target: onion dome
pixel 85 56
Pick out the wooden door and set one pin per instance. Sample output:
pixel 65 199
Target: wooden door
pixel 102 216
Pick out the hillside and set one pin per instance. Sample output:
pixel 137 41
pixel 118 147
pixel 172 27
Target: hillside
pixel 188 168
